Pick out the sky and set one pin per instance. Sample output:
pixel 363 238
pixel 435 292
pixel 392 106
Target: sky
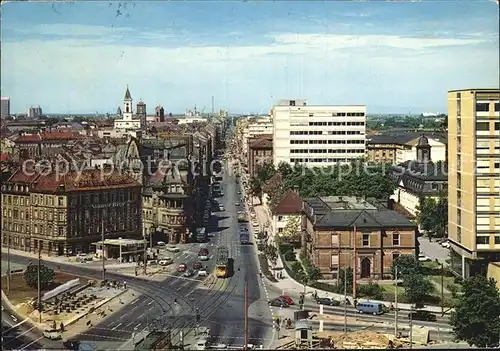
pixel 393 57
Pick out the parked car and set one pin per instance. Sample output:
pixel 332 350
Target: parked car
pixel 221 208
pixel 327 301
pixel 237 203
pixel 189 273
pixel 203 252
pixel 202 272
pixel 161 243
pixel 422 315
pixel 173 248
pixel 197 265
pixel 423 258
pixel 278 302
pixel 182 267
pixel 445 244
pixel 287 299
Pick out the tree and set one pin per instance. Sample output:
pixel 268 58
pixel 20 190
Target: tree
pixel 432 216
pixel 342 277
pixel 313 274
pixel 417 288
pixel 407 265
pixel 256 188
pixel 265 172
pixel 284 169
pixel 292 231
pixel 476 318
pixel 31 276
pixel 272 253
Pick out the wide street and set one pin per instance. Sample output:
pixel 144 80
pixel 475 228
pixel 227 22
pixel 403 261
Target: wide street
pixel 173 302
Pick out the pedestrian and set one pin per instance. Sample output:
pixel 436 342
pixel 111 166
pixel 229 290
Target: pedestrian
pixel 62 327
pixel 124 284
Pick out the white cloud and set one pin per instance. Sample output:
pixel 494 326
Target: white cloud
pixel 84 75
pixel 73 30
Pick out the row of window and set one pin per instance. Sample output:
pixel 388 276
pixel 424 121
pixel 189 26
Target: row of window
pixel 37 228
pixel 329 132
pixel 308 141
pixel 485 107
pixel 366 239
pixel 319 160
pixel 485 240
pixel 337 124
pixel 327 151
pixel 485 126
pixel 36 199
pixel 37 214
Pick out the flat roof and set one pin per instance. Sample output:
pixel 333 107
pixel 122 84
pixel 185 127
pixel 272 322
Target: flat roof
pixel 122 242
pixel 481 90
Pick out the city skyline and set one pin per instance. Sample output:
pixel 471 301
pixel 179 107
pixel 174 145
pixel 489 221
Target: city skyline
pixel 394 58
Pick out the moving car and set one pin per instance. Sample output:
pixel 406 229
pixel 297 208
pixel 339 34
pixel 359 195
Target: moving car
pixel 71 344
pixel 202 272
pixel 221 208
pixel 189 273
pixel 203 254
pixel 165 261
pixel 422 315
pixel 278 302
pixel 182 267
pixel 173 248
pixel 52 334
pixel 197 265
pixel 237 203
pixel 327 301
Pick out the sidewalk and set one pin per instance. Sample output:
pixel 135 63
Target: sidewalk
pixel 289 284
pixel 156 273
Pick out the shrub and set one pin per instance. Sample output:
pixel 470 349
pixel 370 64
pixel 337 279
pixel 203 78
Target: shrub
pixel 290 256
pixel 371 290
pixel 265 268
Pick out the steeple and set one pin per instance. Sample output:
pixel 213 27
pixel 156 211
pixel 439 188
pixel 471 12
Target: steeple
pixel 127 95
pixel 423 150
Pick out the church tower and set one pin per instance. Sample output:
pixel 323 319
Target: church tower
pixel 127 106
pixel 423 150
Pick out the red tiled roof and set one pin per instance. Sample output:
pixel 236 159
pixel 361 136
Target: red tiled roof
pixel 73 181
pixel 262 142
pixel 291 203
pixel 48 136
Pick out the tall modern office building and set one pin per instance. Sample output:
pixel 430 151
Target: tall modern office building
pixel 5 107
pixel 474 179
pixel 317 136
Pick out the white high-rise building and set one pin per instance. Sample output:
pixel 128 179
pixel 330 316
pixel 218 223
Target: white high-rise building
pixel 5 107
pixel 317 136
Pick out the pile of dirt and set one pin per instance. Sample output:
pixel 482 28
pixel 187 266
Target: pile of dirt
pixel 366 340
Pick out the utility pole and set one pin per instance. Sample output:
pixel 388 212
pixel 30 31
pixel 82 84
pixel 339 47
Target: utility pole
pixel 396 303
pixel 8 263
pixel 102 250
pixel 246 314
pixel 411 327
pixel 442 290
pixel 39 284
pixel 145 253
pixel 345 300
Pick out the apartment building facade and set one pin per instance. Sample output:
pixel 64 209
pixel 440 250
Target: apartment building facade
pixel 317 136
pixel 254 128
pixel 64 215
pixel 260 152
pixel 474 179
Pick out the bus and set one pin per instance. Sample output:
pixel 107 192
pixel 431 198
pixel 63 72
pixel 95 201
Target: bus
pixel 222 262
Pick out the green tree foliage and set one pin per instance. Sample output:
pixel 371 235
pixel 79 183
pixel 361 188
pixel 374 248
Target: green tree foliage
pixel 284 169
pixel 407 265
pixel 433 216
pixel 356 179
pixel 256 188
pixel 265 172
pixel 31 276
pixel 417 289
pixel 371 290
pixel 291 232
pixel 345 274
pixel 272 253
pixel 476 318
